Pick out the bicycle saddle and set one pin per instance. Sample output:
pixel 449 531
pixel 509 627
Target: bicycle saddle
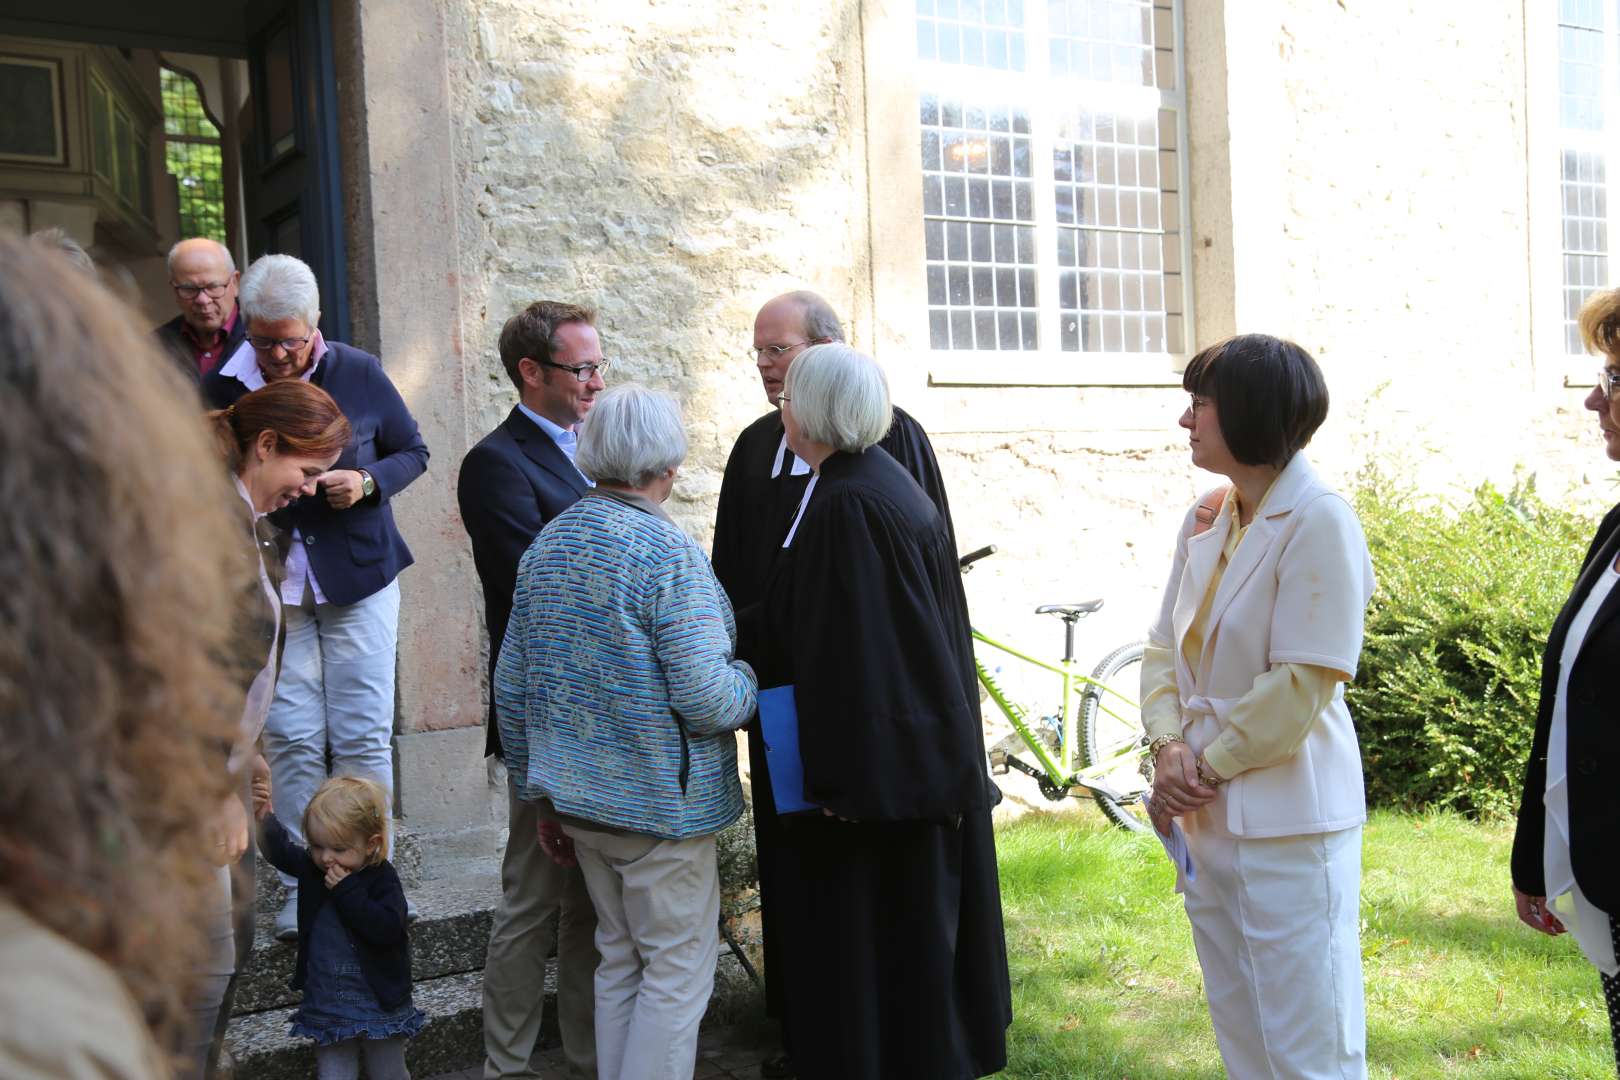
pixel 1069 611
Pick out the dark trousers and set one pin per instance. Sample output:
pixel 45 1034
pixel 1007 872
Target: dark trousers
pixel 1611 995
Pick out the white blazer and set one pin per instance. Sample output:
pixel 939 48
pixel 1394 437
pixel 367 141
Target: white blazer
pixel 1295 592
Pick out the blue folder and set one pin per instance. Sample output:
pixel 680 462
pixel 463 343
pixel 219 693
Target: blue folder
pixel 779 727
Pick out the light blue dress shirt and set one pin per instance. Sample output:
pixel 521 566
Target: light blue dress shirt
pixel 565 438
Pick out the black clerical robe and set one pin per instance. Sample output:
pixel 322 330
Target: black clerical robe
pixel 756 508
pixel 755 511
pixel 889 922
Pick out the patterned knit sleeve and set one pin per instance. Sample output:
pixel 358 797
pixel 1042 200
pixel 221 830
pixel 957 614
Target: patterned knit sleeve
pixel 692 634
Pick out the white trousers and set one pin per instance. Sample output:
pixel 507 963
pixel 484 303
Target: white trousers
pixel 658 930
pixel 336 688
pixel 1277 926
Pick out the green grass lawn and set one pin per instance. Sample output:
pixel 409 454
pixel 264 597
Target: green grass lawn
pixel 1106 984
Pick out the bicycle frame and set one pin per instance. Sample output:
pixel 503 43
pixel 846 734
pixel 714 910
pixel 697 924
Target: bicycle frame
pixel 1060 771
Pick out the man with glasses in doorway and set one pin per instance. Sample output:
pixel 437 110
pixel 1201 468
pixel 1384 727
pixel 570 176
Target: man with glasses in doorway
pixel 208 329
pixel 518 478
pixel 759 494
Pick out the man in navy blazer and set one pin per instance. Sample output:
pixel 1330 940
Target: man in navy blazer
pixel 340 596
pixel 519 477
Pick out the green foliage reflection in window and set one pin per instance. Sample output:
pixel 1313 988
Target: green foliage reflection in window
pixel 193 157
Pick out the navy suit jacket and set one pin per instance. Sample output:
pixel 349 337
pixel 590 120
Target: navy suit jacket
pixel 358 551
pixel 174 341
pixel 513 482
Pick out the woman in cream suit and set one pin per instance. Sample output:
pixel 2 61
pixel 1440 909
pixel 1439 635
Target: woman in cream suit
pixel 1243 700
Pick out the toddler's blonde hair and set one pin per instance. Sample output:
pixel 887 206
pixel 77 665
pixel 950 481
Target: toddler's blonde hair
pixel 351 810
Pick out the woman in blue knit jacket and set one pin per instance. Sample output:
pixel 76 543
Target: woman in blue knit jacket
pixel 617 693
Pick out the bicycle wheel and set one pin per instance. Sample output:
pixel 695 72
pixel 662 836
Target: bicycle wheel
pixel 1110 728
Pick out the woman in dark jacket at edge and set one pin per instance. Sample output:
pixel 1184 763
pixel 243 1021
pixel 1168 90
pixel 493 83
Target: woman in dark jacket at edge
pixel 1564 873
pixel 890 911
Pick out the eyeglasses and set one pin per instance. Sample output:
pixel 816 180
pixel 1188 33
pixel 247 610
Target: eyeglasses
pixel 1607 381
pixel 189 292
pixel 1198 404
pixel 584 372
pixel 783 398
pixel 288 344
pixel 776 352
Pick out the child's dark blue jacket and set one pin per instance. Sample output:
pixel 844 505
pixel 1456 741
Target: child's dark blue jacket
pixel 370 904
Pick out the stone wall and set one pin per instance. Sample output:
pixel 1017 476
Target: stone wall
pixel 672 165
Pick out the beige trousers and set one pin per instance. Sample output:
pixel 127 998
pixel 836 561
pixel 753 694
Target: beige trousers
pixel 658 930
pixel 542 905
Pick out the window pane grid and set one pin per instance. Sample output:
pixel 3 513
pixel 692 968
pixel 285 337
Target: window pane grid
pixel 1101 40
pixel 1100 226
pixel 193 157
pixel 982 33
pixel 1105 172
pixel 979 224
pixel 1582 77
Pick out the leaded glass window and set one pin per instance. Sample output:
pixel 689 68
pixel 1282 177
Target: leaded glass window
pixel 193 157
pixel 1052 199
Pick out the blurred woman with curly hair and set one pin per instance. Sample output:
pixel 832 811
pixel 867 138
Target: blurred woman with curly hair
pixel 117 584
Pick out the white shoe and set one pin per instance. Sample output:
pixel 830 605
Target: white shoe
pixel 287 919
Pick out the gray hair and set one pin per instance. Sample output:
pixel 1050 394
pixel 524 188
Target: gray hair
pixel 631 435
pixel 820 320
pixel 224 253
pixel 56 239
pixel 278 287
pixel 839 397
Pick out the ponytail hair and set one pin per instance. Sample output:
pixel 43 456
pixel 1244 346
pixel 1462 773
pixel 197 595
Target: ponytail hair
pixel 303 417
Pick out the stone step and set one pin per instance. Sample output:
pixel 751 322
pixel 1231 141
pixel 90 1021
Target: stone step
pixel 261 1049
pixel 449 937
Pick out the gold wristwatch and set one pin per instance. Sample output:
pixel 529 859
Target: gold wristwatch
pixel 1160 743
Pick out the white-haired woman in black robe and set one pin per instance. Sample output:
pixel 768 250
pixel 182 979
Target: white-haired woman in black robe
pixel 891 913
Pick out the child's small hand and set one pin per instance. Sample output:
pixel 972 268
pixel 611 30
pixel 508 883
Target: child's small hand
pixel 335 874
pixel 261 799
pixel 261 787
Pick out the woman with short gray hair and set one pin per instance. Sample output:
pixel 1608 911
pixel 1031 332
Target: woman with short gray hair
pixel 617 691
pixel 340 595
pixel 631 437
pixel 278 287
pixel 889 913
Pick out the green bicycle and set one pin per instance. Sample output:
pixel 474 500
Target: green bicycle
pixel 1091 747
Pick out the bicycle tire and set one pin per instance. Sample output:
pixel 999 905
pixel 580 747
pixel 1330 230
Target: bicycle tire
pixel 1109 727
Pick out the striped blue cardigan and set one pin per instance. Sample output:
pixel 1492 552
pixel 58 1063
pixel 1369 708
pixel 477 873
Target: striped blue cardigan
pixel 616 690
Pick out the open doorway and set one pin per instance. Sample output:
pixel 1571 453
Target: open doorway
pixel 133 126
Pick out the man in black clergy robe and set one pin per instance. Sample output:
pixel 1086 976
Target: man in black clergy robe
pixel 759 494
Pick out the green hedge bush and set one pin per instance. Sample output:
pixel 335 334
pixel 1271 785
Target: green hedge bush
pixel 1445 700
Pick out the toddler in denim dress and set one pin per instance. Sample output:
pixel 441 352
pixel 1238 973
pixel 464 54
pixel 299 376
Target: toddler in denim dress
pixel 354 953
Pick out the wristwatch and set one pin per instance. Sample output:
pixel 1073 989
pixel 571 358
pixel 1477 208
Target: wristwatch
pixel 368 486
